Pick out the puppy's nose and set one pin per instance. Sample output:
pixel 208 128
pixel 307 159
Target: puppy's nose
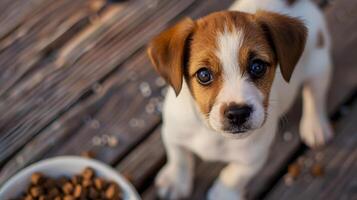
pixel 238 114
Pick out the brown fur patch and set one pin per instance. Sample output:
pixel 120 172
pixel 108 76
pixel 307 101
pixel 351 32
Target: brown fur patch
pixel 269 37
pixel 320 40
pixel 287 36
pixel 203 54
pixel 257 46
pixel 167 52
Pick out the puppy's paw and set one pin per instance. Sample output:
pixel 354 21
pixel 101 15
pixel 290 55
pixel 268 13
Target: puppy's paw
pixel 172 185
pixel 220 191
pixel 315 131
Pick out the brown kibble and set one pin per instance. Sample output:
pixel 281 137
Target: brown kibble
pixel 37 178
pixel 294 170
pixel 317 170
pixel 42 197
pixel 99 183
pixel 77 179
pixel 53 192
pixel 68 188
pixel 62 180
pixel 86 183
pixel 36 191
pixel 49 183
pixel 77 191
pixel 68 197
pixel 28 197
pixel 88 173
pixel 93 194
pixel 112 191
pixel 77 187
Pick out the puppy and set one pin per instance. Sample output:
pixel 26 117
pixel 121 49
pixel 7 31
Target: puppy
pixel 232 75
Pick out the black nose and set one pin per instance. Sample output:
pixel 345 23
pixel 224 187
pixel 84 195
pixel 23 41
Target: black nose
pixel 237 114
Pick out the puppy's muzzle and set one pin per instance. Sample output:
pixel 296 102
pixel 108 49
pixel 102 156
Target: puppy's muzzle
pixel 235 118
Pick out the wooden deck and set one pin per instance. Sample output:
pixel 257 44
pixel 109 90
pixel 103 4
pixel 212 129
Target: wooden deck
pixel 75 80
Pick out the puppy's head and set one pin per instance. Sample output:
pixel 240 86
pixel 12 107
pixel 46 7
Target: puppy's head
pixel 228 60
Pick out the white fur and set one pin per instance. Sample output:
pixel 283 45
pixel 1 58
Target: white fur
pixel 185 132
pixel 236 88
pixel 229 43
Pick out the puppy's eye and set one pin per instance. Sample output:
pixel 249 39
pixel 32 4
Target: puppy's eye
pixel 257 68
pixel 204 76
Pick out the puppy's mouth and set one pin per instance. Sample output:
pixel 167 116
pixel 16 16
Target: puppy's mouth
pixel 236 130
pixel 236 133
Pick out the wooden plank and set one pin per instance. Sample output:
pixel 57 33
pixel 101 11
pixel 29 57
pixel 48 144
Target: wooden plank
pixel 25 115
pixel 13 12
pixel 342 18
pixel 123 113
pixel 109 111
pixel 39 36
pixel 142 164
pixel 339 161
pixel 149 194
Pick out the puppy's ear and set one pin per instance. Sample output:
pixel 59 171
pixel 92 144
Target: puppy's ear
pixel 287 36
pixel 167 52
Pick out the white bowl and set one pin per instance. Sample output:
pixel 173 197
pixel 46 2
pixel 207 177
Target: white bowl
pixel 68 166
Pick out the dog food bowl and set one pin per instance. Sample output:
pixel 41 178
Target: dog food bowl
pixel 68 166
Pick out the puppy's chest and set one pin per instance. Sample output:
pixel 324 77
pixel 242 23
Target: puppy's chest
pixel 210 146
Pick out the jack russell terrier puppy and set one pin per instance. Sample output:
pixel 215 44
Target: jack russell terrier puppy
pixel 232 75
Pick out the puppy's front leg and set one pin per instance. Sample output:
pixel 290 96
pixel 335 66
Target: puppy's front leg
pixel 174 181
pixel 232 181
pixel 315 129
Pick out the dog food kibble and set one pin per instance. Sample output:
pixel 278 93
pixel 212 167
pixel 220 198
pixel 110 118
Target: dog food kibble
pixel 85 186
pixel 68 188
pixel 88 173
pixel 294 170
pixel 317 170
pixel 36 178
pixel 99 183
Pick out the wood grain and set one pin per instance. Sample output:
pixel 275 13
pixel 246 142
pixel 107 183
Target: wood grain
pixel 339 164
pixel 38 37
pixel 27 112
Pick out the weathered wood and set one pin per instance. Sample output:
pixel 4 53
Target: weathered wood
pixel 142 164
pixel 27 114
pixel 338 161
pixel 122 115
pixel 37 37
pixel 342 18
pixel 13 12
pixel 110 110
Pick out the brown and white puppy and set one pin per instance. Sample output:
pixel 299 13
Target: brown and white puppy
pixel 232 75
